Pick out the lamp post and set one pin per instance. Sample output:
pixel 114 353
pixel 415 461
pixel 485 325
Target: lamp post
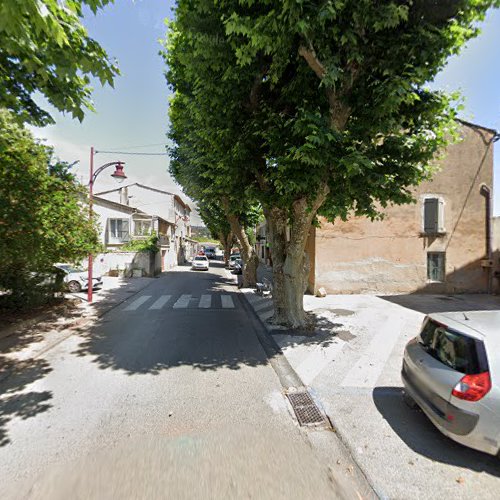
pixel 120 176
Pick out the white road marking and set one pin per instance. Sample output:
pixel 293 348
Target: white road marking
pixel 182 302
pixel 137 303
pixel 158 304
pixel 317 361
pixel 205 301
pixel 227 302
pixel 371 363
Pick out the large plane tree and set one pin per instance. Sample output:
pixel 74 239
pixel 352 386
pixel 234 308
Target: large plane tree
pixel 317 108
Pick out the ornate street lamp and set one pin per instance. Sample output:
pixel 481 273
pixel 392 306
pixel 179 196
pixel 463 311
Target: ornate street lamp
pixel 118 175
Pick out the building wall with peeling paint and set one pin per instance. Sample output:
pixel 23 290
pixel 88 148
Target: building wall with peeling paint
pixel 391 256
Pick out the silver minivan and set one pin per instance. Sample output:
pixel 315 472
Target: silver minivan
pixel 451 370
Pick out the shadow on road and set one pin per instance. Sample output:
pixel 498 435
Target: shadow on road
pixel 417 432
pixel 148 342
pixel 15 377
pixel 20 367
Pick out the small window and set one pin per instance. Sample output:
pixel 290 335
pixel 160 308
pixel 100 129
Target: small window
pixel 436 266
pixel 433 216
pixel 142 227
pixel 119 230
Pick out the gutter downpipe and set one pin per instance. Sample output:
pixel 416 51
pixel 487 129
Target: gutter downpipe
pixel 486 192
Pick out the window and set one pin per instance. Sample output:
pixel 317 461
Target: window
pixel 118 230
pixel 436 266
pixel 460 352
pixel 433 215
pixel 142 227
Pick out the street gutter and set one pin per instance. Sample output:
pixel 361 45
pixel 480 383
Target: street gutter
pixel 289 379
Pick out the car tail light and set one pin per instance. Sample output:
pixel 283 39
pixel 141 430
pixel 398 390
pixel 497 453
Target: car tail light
pixel 473 387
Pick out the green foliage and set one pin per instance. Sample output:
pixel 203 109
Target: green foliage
pixel 276 100
pixel 307 108
pixel 150 244
pixel 42 217
pixel 45 48
pixel 202 239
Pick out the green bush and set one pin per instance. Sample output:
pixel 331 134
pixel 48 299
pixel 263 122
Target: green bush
pixel 148 245
pixel 42 217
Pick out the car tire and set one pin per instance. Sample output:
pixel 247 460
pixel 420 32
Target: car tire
pixel 409 401
pixel 74 286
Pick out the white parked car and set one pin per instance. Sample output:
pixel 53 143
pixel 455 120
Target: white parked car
pixel 232 260
pixel 200 262
pixel 451 370
pixel 76 280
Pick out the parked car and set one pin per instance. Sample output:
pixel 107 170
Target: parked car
pixel 76 279
pixel 451 370
pixel 210 253
pixel 200 262
pixel 232 259
pixel 238 266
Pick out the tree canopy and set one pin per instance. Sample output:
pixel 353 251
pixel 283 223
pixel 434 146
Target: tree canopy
pixel 45 48
pixel 43 219
pixel 312 108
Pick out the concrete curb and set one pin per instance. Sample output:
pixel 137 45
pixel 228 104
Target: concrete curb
pixel 16 327
pixel 287 374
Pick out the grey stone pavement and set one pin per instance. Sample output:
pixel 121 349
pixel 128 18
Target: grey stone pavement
pixel 169 394
pixel 352 366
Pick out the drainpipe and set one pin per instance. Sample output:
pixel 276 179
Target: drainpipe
pixel 486 192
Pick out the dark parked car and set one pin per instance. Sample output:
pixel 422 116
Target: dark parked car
pixel 238 266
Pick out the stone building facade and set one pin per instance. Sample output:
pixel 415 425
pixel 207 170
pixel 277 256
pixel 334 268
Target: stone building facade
pixel 443 243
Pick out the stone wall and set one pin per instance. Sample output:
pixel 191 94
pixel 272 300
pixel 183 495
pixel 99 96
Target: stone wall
pixel 390 256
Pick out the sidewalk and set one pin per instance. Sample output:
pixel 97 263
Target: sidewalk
pixel 352 366
pixel 113 293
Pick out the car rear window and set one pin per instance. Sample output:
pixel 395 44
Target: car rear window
pixel 454 349
pixel 200 258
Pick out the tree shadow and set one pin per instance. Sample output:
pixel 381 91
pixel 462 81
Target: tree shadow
pixel 419 434
pixel 35 330
pixel 145 341
pixel 438 303
pixel 15 377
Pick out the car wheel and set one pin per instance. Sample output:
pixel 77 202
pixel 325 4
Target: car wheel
pixel 74 287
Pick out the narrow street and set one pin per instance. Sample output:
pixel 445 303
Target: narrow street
pixel 169 394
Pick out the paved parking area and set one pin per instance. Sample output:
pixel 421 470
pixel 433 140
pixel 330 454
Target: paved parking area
pixel 353 368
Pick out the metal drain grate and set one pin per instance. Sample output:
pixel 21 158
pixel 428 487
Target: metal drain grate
pixel 305 409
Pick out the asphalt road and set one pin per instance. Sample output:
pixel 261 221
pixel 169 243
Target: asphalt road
pixel 169 395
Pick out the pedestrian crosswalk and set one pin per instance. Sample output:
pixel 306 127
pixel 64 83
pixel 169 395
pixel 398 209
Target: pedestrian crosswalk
pixel 184 301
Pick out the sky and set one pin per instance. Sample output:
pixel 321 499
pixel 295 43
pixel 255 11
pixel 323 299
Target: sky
pixel 133 117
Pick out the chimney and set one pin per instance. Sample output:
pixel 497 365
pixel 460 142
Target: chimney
pixel 124 196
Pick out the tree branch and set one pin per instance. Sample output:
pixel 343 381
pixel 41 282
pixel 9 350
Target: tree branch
pixel 309 54
pixel 339 112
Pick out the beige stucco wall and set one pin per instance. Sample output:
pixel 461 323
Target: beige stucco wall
pixel 390 256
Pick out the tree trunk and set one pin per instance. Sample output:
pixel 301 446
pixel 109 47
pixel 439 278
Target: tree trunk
pixel 227 243
pixel 248 251
pixel 290 261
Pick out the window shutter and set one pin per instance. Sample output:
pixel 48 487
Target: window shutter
pixel 431 215
pixel 125 230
